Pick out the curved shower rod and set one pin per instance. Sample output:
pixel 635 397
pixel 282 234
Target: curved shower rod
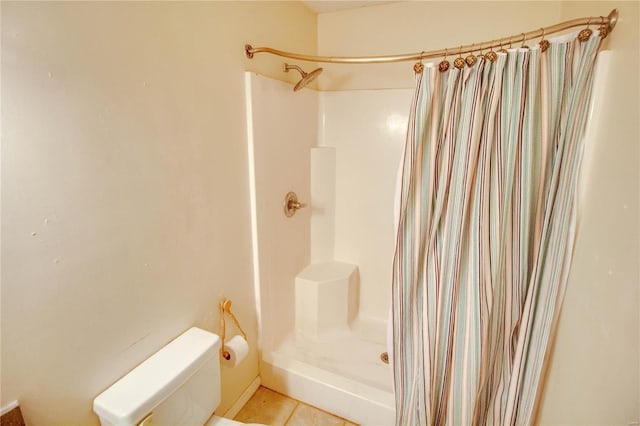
pixel 610 22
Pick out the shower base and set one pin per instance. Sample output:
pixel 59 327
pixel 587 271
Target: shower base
pixel 342 374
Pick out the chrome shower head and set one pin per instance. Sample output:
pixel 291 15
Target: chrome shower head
pixel 307 77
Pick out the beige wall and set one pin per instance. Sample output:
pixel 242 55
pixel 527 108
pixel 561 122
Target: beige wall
pixel 594 376
pixel 125 202
pixel 414 26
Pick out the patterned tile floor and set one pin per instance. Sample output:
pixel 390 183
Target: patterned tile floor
pixel 274 409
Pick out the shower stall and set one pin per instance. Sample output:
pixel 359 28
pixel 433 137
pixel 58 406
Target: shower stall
pixel 323 274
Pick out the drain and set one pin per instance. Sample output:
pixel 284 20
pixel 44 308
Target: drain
pixel 384 357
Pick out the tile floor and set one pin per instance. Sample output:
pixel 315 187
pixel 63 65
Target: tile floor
pixel 274 409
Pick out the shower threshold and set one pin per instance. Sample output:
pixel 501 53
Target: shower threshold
pixel 342 374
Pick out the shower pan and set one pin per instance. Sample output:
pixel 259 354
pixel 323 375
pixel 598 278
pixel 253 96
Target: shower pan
pixel 322 275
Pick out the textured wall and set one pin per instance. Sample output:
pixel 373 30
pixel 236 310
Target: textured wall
pixel 125 200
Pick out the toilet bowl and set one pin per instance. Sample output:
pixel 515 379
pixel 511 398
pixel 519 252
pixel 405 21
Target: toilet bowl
pixel 178 385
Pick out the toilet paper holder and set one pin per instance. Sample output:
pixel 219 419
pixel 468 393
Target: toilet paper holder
pixel 225 308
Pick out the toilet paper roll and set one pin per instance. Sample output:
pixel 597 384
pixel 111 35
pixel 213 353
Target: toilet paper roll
pixel 238 348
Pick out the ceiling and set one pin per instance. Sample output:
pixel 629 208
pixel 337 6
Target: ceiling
pixel 324 6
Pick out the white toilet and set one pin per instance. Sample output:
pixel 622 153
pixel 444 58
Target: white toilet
pixel 178 385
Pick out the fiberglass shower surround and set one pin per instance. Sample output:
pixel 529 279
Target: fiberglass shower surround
pixel 324 301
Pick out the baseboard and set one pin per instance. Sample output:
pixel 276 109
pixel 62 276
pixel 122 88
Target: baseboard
pixel 10 415
pixel 10 406
pixel 244 397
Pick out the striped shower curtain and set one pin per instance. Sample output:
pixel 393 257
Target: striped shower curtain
pixel 487 221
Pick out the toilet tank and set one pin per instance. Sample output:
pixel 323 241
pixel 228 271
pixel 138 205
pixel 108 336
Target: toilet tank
pixel 178 385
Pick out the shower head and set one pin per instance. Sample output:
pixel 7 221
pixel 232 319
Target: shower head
pixel 307 77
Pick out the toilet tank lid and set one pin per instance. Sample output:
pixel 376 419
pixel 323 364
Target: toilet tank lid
pixel 136 394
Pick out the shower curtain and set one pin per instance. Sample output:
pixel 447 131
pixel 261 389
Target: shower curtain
pixel 487 221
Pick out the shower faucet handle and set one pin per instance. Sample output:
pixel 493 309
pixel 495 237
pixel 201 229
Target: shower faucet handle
pixel 291 204
pixel 296 205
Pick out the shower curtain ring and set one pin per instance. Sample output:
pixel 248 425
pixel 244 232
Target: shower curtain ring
pixel 604 30
pixel 444 64
pixel 418 67
pixel 502 49
pixel 459 62
pixel 524 39
pixel 544 44
pixel 586 33
pixel 491 55
pixel 471 58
